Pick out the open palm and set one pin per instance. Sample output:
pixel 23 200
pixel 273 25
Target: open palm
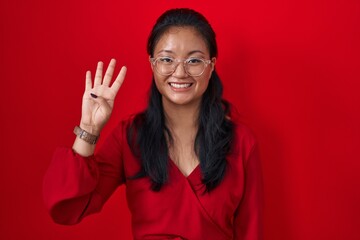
pixel 98 98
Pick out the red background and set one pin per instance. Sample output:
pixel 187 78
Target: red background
pixel 290 67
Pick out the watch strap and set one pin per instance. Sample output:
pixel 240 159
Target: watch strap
pixel 86 136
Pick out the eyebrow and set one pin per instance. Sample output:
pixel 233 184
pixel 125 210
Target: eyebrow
pixel 191 52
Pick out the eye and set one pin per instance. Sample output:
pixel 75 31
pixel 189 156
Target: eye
pixel 194 61
pixel 165 60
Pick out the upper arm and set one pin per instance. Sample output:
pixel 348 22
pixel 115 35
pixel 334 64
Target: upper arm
pixel 248 217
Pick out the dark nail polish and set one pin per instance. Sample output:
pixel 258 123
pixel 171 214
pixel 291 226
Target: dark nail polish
pixel 93 95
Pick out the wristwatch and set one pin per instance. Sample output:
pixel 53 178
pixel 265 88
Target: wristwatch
pixel 84 135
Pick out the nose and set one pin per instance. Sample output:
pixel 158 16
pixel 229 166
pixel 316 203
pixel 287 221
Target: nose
pixel 180 71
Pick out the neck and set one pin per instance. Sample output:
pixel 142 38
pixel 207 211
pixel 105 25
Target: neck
pixel 184 117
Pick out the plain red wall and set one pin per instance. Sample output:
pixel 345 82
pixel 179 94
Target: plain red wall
pixel 290 67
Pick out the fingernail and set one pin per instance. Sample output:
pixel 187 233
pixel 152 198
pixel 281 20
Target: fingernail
pixel 93 95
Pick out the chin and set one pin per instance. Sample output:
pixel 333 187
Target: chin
pixel 182 101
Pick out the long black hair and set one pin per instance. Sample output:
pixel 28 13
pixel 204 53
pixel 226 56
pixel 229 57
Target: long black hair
pixel 148 134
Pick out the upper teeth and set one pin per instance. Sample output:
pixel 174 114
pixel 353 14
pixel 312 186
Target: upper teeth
pixel 180 85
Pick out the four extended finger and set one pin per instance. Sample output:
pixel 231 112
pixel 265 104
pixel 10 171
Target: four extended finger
pixel 109 73
pixel 88 82
pixel 119 80
pixel 98 74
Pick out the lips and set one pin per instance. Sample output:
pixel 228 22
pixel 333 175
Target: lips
pixel 180 85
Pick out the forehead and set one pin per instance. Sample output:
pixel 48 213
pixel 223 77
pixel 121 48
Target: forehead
pixel 181 41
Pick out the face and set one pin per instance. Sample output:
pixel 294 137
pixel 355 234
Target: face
pixel 179 88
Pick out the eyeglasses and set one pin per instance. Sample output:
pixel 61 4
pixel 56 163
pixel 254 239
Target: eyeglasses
pixel 166 65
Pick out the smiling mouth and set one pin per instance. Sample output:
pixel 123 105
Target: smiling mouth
pixel 180 85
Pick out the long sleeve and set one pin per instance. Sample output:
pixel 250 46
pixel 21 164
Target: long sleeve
pixel 75 186
pixel 248 223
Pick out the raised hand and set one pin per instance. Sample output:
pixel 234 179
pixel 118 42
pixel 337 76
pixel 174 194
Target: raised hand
pixel 98 98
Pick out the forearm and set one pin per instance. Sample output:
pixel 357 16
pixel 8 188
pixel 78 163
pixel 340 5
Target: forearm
pixel 76 186
pixel 68 184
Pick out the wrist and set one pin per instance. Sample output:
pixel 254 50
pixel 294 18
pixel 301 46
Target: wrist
pixel 90 129
pixel 85 136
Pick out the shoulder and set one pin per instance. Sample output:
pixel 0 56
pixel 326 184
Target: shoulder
pixel 127 121
pixel 119 130
pixel 244 140
pixel 127 126
pixel 243 136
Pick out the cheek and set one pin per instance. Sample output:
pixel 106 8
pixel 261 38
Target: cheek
pixel 205 79
pixel 202 86
pixel 160 82
pixel 208 72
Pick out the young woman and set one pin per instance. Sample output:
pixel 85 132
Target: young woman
pixel 190 168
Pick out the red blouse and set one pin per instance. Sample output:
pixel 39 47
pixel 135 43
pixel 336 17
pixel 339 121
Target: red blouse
pixel 75 187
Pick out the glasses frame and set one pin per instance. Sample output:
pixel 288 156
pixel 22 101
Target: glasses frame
pixel 177 62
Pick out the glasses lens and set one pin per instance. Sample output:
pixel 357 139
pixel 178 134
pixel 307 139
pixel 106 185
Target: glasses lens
pixel 195 66
pixel 165 65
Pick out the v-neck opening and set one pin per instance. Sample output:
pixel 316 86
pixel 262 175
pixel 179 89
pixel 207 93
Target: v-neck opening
pixel 178 170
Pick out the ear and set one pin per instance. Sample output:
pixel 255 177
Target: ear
pixel 213 62
pixel 151 64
